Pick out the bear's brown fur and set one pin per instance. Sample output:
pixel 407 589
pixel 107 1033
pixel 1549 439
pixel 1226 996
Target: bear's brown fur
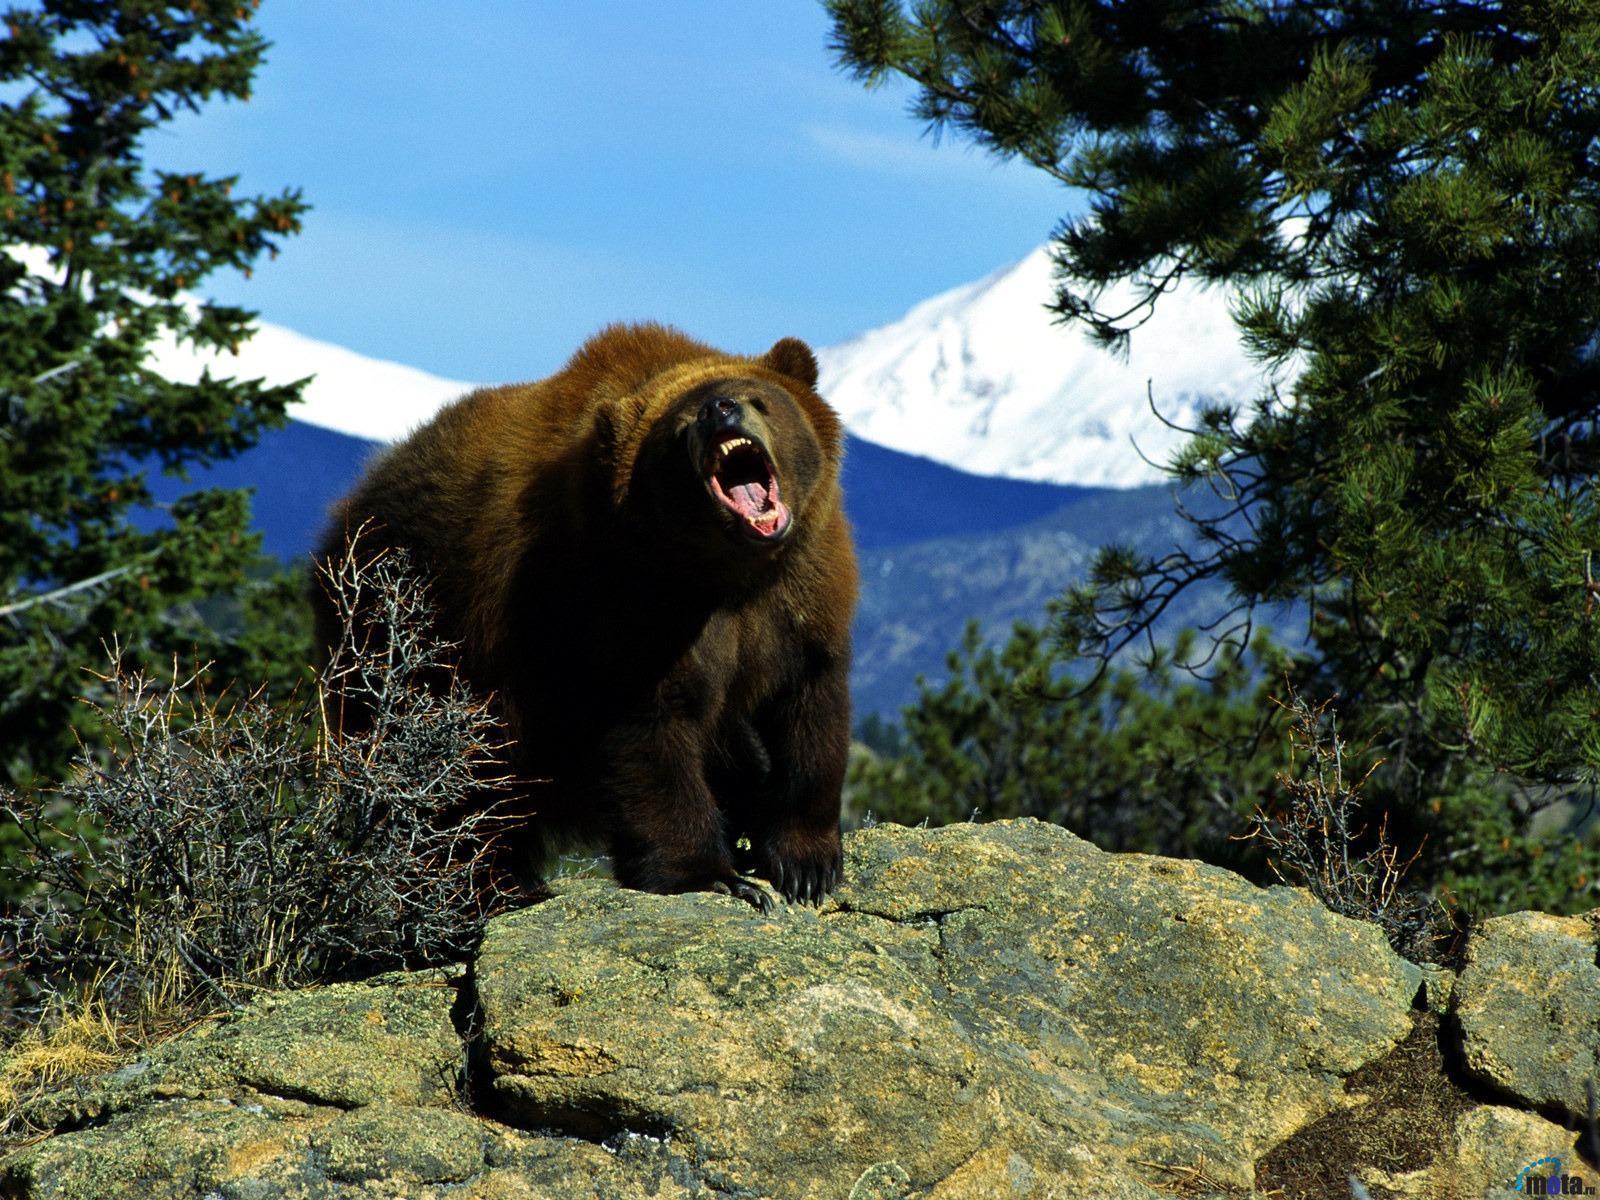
pixel 645 560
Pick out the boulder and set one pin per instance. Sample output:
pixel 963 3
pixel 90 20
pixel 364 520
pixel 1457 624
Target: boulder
pixel 1528 1002
pixel 387 1039
pixel 982 1011
pixel 1001 1000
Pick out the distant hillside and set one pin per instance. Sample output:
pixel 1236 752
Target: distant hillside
pixel 916 599
pixel 896 499
pixel 892 498
pixel 296 473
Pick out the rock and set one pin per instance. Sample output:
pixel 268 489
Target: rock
pixel 1491 1149
pixel 1494 1145
pixel 1437 985
pixel 1001 995
pixel 1414 1130
pixel 983 1011
pixel 390 1039
pixel 1528 1001
pixel 269 1149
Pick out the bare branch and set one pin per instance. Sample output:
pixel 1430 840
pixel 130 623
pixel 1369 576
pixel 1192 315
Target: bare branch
pixel 56 595
pixel 229 842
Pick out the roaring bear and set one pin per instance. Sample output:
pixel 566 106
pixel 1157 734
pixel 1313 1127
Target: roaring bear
pixel 644 560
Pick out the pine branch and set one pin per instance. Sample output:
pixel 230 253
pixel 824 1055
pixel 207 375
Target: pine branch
pixel 56 595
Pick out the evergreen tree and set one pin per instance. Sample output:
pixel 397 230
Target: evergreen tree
pixel 1404 197
pixel 100 255
pixel 1145 761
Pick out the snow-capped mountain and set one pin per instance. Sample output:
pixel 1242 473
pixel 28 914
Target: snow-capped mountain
pixel 353 404
pixel 978 378
pixel 982 379
pixel 349 392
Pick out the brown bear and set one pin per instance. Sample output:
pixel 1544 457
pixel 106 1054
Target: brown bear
pixel 644 560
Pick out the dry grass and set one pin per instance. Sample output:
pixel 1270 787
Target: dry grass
pixel 1410 1115
pixel 84 1041
pixel 79 1034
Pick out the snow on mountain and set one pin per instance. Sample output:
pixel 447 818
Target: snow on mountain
pixel 351 393
pixel 980 378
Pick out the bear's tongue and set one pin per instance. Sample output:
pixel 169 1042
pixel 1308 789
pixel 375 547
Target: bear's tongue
pixel 749 498
pixel 762 510
pixel 749 488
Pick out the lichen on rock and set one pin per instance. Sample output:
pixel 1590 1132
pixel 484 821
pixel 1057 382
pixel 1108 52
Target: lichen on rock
pixel 981 1011
pixel 1529 1006
pixel 973 990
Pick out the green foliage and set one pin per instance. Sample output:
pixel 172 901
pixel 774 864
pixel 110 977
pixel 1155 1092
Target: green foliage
pixel 1165 759
pixel 100 252
pixel 1135 760
pixel 1405 200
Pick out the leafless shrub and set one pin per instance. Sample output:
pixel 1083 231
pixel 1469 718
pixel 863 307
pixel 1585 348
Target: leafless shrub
pixel 226 844
pixel 1315 839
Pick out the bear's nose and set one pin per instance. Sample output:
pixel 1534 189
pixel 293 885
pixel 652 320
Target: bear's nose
pixel 721 411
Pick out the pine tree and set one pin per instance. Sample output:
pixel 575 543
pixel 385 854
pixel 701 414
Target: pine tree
pixel 1404 199
pixel 101 254
pixel 1136 760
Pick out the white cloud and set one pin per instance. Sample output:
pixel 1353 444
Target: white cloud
pixel 922 158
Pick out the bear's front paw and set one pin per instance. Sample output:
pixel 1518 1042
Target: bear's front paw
pixel 743 889
pixel 651 871
pixel 803 866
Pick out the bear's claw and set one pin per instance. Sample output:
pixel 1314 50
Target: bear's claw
pixel 743 889
pixel 805 882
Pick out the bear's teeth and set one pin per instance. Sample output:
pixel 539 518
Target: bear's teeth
pixel 727 447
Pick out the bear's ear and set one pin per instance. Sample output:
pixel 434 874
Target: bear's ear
pixel 605 433
pixel 615 430
pixel 792 357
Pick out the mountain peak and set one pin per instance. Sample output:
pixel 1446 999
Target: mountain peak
pixel 983 378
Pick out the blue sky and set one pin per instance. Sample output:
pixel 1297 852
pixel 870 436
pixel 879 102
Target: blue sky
pixel 493 182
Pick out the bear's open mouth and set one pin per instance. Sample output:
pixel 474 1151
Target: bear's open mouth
pixel 743 479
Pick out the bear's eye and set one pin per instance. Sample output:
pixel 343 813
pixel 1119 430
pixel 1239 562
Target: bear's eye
pixel 759 405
